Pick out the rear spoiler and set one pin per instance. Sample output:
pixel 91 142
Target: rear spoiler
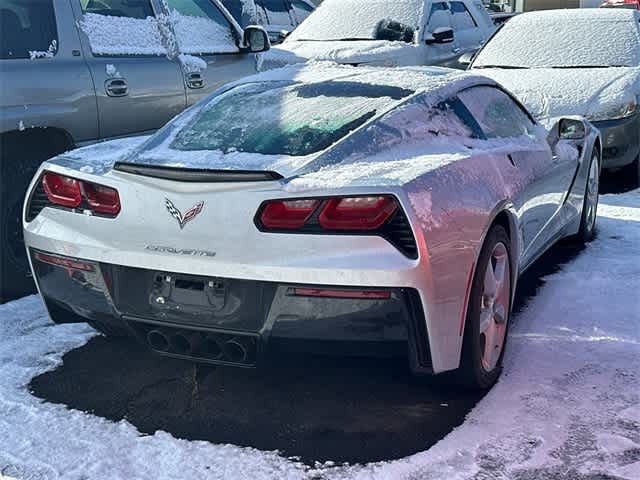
pixel 179 174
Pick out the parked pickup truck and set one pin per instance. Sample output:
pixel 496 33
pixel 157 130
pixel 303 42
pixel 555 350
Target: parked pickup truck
pixel 74 72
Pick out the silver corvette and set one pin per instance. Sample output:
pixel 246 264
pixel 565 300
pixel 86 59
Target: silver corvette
pixel 354 210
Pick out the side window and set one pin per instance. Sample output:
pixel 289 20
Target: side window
pixel 121 27
pixel 461 18
pixel 277 12
pixel 301 9
pixel 439 16
pixel 496 113
pixel 27 29
pixel 201 28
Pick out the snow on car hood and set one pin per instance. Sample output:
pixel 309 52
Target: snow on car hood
pixel 371 52
pixel 589 92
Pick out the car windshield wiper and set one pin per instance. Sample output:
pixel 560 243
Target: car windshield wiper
pixel 586 66
pixel 507 67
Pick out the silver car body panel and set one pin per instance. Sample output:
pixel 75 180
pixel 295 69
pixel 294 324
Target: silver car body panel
pixel 450 201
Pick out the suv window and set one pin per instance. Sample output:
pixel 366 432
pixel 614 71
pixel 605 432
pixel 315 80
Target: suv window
pixel 496 113
pixel 277 12
pixel 121 27
pixel 301 9
pixel 118 8
pixel 438 16
pixel 461 18
pixel 201 27
pixel 27 29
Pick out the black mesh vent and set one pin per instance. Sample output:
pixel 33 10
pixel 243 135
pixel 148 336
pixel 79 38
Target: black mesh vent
pixel 37 202
pixel 398 232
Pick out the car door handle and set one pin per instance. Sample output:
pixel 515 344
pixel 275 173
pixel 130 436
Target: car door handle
pixel 195 80
pixel 457 50
pixel 116 87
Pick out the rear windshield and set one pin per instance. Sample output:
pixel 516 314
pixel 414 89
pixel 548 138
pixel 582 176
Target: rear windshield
pixel 277 119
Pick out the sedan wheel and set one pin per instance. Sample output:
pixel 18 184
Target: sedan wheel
pixel 487 320
pixel 590 206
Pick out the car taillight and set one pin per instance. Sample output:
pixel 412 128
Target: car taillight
pixel 102 199
pixel 288 214
pixel 357 213
pixel 340 214
pixel 62 190
pixel 73 193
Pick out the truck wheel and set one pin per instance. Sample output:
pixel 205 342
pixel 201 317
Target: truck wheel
pixel 21 154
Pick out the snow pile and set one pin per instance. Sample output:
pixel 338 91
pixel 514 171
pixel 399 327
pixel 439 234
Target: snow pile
pixel 199 35
pixel 40 440
pixel 587 37
pixel 109 35
pixel 356 19
pixel 191 64
pixel 567 405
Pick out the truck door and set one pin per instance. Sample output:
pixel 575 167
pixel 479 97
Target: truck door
pixel 138 87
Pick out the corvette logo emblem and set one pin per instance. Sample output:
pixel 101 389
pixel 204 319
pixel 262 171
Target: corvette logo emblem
pixel 189 215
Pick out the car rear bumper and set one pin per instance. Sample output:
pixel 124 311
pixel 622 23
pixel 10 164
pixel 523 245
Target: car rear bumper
pixel 211 319
pixel 620 141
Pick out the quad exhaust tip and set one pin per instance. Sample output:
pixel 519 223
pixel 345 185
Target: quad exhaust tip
pixel 226 348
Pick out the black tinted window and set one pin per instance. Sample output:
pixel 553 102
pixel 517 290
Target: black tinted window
pixel 277 12
pixel 27 29
pixel 119 8
pixel 235 8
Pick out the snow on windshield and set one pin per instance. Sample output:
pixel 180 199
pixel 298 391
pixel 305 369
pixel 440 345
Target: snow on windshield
pixel 564 39
pixel 356 19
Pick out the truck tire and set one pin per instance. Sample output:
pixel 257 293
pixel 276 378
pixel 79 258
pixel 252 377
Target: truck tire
pixel 21 154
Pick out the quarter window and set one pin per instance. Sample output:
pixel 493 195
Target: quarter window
pixel 27 29
pixel 496 113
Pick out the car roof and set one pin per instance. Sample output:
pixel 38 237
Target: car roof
pixel 434 80
pixel 587 14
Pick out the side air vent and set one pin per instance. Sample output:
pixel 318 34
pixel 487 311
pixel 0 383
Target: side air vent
pixel 37 202
pixel 196 175
pixel 398 232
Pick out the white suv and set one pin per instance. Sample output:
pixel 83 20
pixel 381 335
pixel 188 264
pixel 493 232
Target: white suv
pixel 387 33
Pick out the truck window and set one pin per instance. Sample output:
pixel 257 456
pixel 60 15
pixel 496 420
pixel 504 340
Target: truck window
pixel 27 29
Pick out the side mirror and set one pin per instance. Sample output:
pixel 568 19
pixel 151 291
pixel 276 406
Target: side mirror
pixel 571 129
pixel 439 35
pixel 256 39
pixel 466 59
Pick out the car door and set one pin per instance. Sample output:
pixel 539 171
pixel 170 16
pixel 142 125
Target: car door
pixel 466 28
pixel 138 88
pixel 445 53
pixel 546 176
pixel 208 40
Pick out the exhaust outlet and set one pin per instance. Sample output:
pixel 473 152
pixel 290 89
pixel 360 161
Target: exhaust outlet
pixel 184 344
pixel 235 350
pixel 157 340
pixel 213 348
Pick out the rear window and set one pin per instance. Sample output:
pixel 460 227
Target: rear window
pixel 27 29
pixel 276 119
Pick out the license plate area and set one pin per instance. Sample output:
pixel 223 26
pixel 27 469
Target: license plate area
pixel 175 292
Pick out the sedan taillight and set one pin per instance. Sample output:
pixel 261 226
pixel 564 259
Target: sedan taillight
pixel 336 214
pixel 72 193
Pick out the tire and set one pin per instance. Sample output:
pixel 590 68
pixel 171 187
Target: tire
pixel 488 314
pixel 634 172
pixel 590 204
pixel 21 154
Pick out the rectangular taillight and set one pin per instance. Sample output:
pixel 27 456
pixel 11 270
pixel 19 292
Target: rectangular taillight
pixel 70 192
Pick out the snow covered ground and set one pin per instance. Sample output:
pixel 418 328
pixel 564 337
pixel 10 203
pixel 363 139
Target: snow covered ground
pixel 567 406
